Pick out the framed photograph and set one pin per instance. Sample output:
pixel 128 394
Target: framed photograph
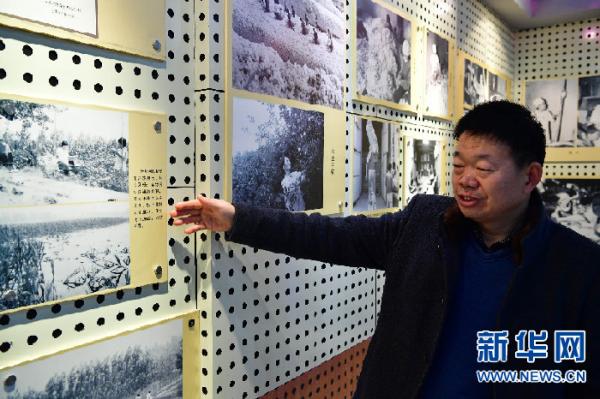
pixel 279 149
pixel 71 198
pixel 423 160
pixel 384 56
pixel 498 87
pixel 439 61
pixel 148 363
pixel 101 23
pixel 588 116
pixel 475 83
pixel 554 105
pixel 291 50
pixel 574 203
pixel 376 175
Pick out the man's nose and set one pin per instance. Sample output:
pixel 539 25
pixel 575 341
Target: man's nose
pixel 467 180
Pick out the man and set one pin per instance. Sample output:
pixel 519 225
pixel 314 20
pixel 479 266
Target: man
pixel 488 259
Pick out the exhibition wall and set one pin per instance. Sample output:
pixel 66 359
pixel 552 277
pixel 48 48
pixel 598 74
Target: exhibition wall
pixel 330 106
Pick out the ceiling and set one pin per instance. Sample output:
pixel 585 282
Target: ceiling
pixel 524 14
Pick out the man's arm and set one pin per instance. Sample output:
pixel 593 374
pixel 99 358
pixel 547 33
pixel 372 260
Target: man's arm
pixel 353 241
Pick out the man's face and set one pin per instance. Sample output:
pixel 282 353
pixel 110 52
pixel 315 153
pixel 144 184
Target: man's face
pixel 488 186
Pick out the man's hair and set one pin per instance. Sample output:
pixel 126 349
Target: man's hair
pixel 507 123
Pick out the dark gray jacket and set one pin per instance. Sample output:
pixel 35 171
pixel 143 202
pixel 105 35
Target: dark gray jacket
pixel 556 287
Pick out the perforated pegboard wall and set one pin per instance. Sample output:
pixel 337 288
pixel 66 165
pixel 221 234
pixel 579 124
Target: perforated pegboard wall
pixel 268 318
pixel 46 68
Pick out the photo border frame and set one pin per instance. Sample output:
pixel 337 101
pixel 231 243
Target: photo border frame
pixel 413 105
pixel 401 159
pixel 190 327
pixel 563 154
pixel 452 57
pixel 406 159
pixel 144 263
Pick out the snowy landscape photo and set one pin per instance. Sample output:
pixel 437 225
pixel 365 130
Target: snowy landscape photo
pixel 64 209
pixel 574 203
pixel 290 49
pixel 554 104
pixel 375 165
pixel 423 167
pixel 383 52
pixel 277 156
pixel 475 83
pixel 437 74
pixel 144 364
pixel 588 123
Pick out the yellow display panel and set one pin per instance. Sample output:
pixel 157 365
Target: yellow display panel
pixel 566 115
pixel 412 105
pixel 158 360
pixel 82 201
pixel 477 83
pixel 424 165
pixel 439 74
pixel 278 164
pixel 119 27
pixel 375 166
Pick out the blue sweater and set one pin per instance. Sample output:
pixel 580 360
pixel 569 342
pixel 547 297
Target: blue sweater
pixel 483 280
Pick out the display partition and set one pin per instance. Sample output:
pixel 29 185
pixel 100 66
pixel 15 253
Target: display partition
pixel 157 360
pixel 102 23
pixel 424 165
pixel 385 49
pixel 82 201
pixel 569 112
pixel 438 83
pixel 284 124
pixel 376 166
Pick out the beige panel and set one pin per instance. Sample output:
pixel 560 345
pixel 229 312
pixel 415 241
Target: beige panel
pixel 119 27
pixel 148 150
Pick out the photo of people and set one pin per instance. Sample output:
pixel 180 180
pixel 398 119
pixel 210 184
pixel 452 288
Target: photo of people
pixel 588 121
pixel 290 49
pixel 437 75
pixel 574 203
pixel 497 87
pixel 475 83
pixel 423 167
pixel 64 203
pixel 383 51
pixel 277 156
pixel 375 165
pixel 145 364
pixel 554 105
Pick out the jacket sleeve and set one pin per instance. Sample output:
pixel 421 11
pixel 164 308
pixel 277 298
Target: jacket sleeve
pixel 353 241
pixel 591 325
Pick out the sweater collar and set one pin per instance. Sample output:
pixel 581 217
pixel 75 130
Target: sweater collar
pixel 522 240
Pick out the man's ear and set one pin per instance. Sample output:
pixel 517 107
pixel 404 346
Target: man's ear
pixel 535 170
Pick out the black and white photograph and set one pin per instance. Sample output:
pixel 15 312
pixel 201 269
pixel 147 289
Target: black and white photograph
pixel 437 75
pixel 290 49
pixel 497 87
pixel 376 172
pixel 144 364
pixel 64 208
pixel 423 167
pixel 574 203
pixel 383 52
pixel 554 105
pixel 588 121
pixel 277 156
pixel 475 83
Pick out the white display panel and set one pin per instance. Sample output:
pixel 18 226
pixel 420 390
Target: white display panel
pixel 76 15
